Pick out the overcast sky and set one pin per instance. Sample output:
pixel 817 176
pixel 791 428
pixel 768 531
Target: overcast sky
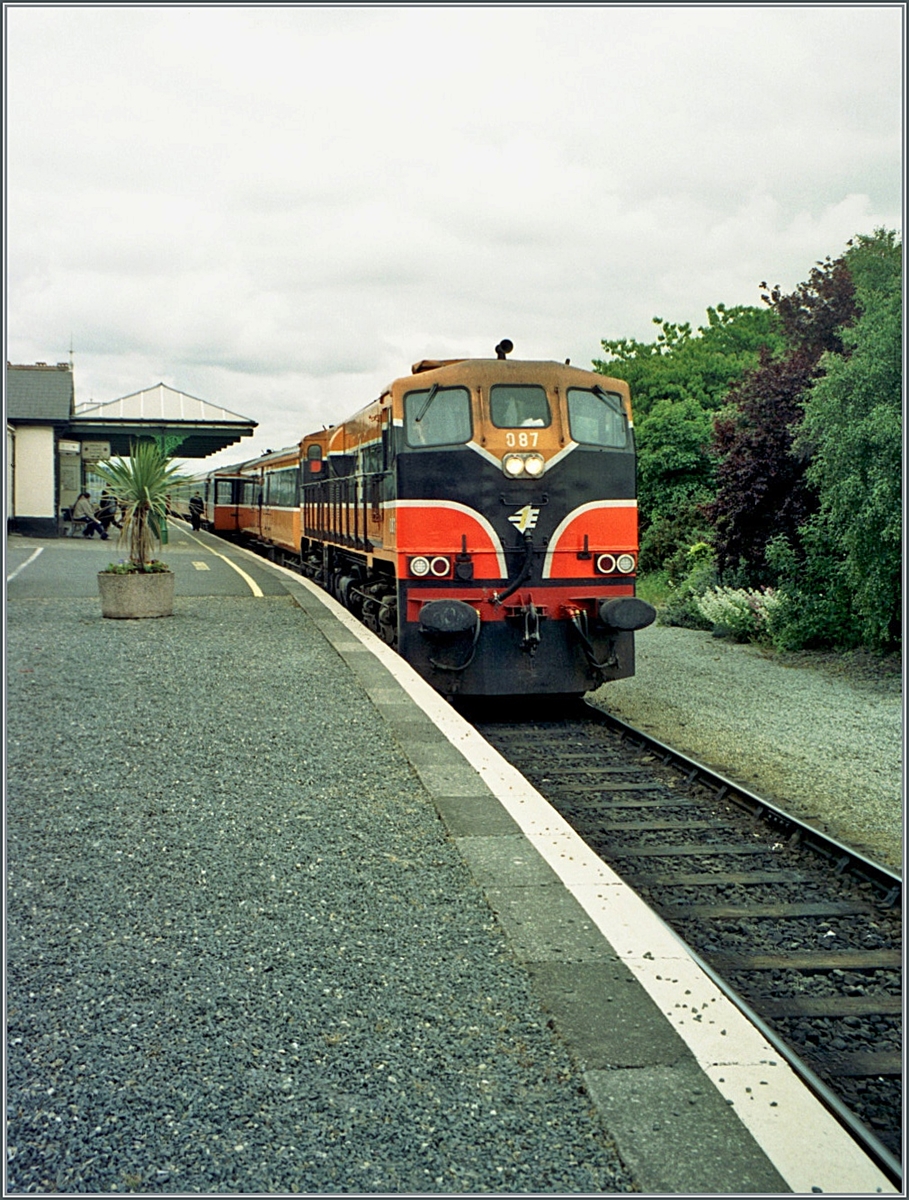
pixel 280 209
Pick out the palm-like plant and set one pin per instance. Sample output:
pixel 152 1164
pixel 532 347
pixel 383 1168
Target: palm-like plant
pixel 140 485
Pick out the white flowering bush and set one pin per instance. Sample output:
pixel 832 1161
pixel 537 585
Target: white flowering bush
pixel 742 612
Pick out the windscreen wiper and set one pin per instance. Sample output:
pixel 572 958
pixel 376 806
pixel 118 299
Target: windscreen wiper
pixel 426 403
pixel 610 399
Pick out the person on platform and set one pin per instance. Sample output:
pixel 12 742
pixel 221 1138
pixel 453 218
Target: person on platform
pixel 196 508
pixel 107 511
pixel 83 510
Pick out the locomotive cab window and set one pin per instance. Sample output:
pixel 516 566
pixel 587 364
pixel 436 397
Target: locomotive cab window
pixel 597 418
pixel 519 406
pixel 438 416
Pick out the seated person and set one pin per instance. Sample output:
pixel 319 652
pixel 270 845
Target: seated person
pixel 84 512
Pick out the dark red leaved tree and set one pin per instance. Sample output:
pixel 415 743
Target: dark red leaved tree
pixel 761 490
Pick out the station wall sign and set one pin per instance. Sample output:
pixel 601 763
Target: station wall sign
pixel 95 451
pixel 69 447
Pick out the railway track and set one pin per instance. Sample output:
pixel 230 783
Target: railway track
pixel 801 932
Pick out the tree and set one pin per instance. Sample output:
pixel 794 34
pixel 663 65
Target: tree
pixel 762 492
pixel 675 478
pixel 812 317
pixel 852 431
pixel 681 364
pixel 141 483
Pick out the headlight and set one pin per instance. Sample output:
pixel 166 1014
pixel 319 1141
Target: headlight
pixel 440 566
pixel 625 563
pixel 524 464
pixel 605 564
pixel 419 566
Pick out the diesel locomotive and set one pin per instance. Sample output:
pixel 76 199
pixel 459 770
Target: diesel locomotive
pixel 480 516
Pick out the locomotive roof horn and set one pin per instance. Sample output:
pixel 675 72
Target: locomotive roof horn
pixel 504 347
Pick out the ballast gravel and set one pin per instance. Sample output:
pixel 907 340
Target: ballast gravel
pixel 242 954
pixel 822 741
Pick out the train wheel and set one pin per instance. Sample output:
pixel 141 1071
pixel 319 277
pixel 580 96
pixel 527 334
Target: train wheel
pixel 388 620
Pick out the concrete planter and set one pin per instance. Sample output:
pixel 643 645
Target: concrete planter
pixel 136 595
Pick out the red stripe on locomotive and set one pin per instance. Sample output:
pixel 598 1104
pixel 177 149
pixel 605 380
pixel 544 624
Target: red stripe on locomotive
pixel 609 526
pixel 428 527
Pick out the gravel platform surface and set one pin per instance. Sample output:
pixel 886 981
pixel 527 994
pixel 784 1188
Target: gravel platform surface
pixel 228 971
pixel 824 741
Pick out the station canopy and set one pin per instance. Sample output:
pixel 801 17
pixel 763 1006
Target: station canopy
pixel 182 424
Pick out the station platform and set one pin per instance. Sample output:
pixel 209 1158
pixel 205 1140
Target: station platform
pixel 279 920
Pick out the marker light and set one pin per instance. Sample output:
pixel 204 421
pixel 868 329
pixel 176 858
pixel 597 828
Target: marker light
pixel 440 566
pixel 419 566
pixel 605 564
pixel 625 563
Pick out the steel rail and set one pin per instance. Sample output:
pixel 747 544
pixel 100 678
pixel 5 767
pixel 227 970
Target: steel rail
pixel 845 856
pixel 881 875
pixel 874 1148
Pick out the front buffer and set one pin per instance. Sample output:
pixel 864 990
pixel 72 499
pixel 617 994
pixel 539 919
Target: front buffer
pixel 538 641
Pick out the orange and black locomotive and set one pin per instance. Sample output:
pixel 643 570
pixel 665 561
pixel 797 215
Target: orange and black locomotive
pixel 480 516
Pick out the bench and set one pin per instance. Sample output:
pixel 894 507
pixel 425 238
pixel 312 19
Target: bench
pixel 70 525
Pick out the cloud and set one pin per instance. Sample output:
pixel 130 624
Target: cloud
pixel 285 207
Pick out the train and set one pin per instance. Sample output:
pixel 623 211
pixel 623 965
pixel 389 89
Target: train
pixel 480 516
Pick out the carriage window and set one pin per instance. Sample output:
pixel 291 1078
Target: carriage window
pixel 597 418
pixel 437 417
pixel 282 488
pixel 514 406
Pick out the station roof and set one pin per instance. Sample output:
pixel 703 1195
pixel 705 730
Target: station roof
pixel 190 428
pixel 39 392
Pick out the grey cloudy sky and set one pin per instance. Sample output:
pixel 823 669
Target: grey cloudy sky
pixel 279 209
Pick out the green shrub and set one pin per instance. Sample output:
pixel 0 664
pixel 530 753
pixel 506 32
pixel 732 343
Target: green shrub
pixel 816 600
pixel 700 575
pixel 666 539
pixel 653 587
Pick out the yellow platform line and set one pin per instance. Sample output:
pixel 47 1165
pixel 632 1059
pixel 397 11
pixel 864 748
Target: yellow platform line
pixel 251 583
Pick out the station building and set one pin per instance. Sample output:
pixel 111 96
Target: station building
pixel 51 444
